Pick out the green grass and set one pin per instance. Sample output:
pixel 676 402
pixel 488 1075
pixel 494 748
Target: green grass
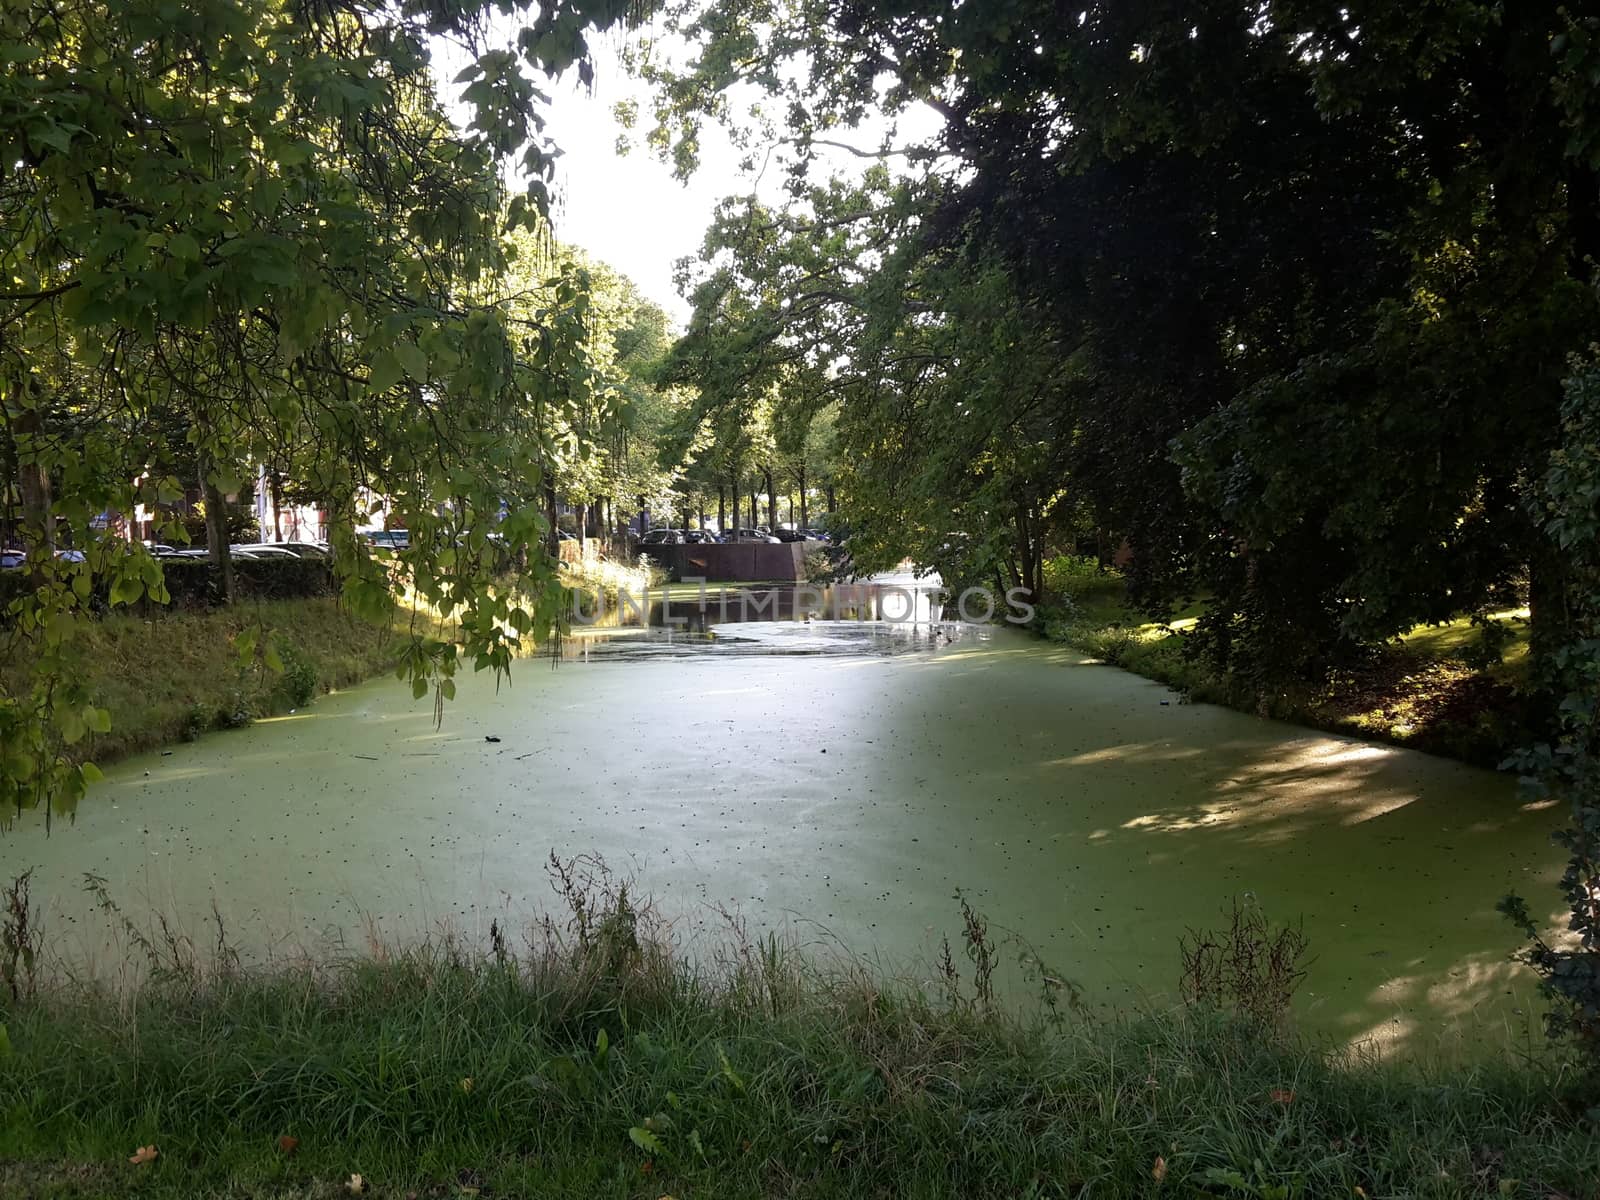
pixel 1428 690
pixel 177 675
pixel 589 1059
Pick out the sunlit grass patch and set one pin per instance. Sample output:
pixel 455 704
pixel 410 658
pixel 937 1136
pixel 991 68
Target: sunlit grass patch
pixel 1452 688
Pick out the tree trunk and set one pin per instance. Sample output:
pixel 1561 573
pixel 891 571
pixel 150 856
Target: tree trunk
pixel 736 502
pixel 552 543
pixel 772 500
pixel 38 522
pixel 801 479
pixel 830 499
pixel 722 509
pixel 583 528
pixel 217 534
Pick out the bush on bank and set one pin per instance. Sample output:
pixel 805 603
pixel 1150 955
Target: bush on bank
pixel 586 1057
pixel 192 583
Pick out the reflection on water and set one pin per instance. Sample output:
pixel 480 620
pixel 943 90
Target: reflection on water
pixel 899 599
pixel 766 639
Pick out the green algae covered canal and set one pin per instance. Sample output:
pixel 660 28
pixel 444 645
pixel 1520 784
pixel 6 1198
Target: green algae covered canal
pixel 841 782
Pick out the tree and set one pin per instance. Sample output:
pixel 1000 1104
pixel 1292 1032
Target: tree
pixel 259 217
pixel 949 407
pixel 1569 765
pixel 1318 264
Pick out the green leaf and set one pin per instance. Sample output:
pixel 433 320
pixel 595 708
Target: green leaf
pixel 645 1140
pixel 183 245
pixel 728 1072
pixel 412 359
pixel 384 372
pixel 126 589
pixel 70 722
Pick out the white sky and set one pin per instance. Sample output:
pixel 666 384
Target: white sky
pixel 628 211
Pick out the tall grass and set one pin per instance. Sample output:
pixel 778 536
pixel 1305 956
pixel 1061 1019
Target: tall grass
pixel 178 674
pixel 586 1055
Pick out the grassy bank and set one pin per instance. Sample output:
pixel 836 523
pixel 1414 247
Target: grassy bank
pixel 583 1057
pixel 1432 690
pixel 174 675
pixel 177 675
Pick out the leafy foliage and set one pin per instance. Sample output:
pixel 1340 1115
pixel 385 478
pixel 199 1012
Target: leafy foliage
pixel 1570 767
pixel 249 226
pixel 1316 269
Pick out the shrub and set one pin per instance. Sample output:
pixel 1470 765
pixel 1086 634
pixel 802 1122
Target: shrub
pixel 297 683
pixel 1569 968
pixel 197 719
pixel 236 712
pixel 191 582
pixel 1067 576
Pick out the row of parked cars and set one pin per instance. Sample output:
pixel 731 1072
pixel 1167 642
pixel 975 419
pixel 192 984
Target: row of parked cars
pixel 14 559
pixel 400 539
pixel 313 550
pixel 759 535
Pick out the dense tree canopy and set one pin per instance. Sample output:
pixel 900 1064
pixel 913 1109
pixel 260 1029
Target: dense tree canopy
pixel 253 219
pixel 1318 268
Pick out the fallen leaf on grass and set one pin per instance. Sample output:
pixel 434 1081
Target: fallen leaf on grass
pixel 1282 1096
pixel 288 1144
pixel 356 1186
pixel 143 1155
pixel 1159 1171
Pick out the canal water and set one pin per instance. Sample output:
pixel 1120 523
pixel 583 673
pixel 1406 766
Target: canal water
pixel 840 782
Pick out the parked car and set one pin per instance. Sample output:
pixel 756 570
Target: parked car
pixel 161 549
pixel 798 535
pixel 663 537
pixel 12 560
pixel 318 550
pixel 72 556
pixel 700 537
pixel 753 535
pixel 388 539
pixel 256 550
